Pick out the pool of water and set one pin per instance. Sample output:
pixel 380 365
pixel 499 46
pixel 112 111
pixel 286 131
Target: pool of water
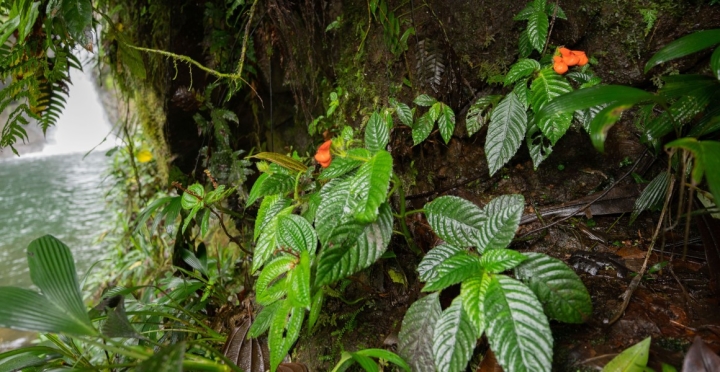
pixel 63 195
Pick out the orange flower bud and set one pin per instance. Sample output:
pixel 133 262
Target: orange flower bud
pixel 560 67
pixel 582 58
pixel 571 59
pixel 565 52
pixel 323 154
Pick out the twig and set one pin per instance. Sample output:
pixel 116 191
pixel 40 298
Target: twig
pixel 582 208
pixel 636 280
pixel 552 23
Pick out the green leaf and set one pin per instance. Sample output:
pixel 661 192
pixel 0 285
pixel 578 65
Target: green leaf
pixel 168 359
pixel 537 29
pixel 691 102
pixel 557 287
pixel 282 160
pixel 339 167
pixel 358 246
pixel 547 86
pixel 425 100
pixel 590 97
pixel 683 46
pixel 299 279
pixel 273 183
pixel 296 233
pixel 53 271
pixel 460 266
pixel 267 242
pixel 416 334
pixel 32 312
pixel 263 319
pixel 525 47
pixel 427 269
pixel 552 9
pixel 422 128
pixel 505 133
pixel 370 186
pixel 517 329
pixel 26 357
pixel 498 260
pixel 284 331
pixel 538 145
pixel 204 223
pixel 603 121
pixel 455 220
pixel 386 355
pixel 521 69
pixel 335 209
pixel 479 113
pixel 78 17
pixel 473 292
pixel 377 133
pixel 524 14
pixel 403 112
pixel 193 196
pixel 633 359
pixel 117 323
pixel 523 93
pixel 315 308
pixel 150 209
pixel 446 122
pixel 269 208
pixel 715 63
pixel 586 116
pixel 366 363
pixel 435 111
pixel 454 338
pixel 653 195
pixel 269 288
pixel 707 158
pixel 503 217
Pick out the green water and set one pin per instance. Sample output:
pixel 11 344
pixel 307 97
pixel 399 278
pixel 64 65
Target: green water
pixel 62 195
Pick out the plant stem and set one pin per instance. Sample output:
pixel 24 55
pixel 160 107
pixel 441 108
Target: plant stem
pixel 403 217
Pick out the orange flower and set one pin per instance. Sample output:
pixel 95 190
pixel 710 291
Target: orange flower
pixel 582 58
pixel 568 58
pixel 560 67
pixel 323 154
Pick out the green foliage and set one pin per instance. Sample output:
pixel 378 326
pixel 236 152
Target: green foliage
pixel 391 27
pixel 417 331
pixel 511 313
pixel 508 123
pixel 363 358
pixel 438 112
pixel 633 359
pixel 653 195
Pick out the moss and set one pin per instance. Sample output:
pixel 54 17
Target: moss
pixel 152 118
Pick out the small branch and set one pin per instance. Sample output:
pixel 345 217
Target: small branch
pixel 241 63
pixel 552 23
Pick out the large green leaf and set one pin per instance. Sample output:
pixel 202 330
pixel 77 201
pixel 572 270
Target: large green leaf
pixel 453 270
pixel 653 195
pixel 683 46
pixel 78 17
pixel 525 48
pixel 453 339
pixel 275 183
pixel 404 113
pixel 603 121
pixel 479 113
pixel 537 29
pixel 590 97
pixel 632 359
pixel 427 269
pixel 340 166
pixel 168 359
pixel 517 329
pixel 193 196
pixel 473 292
pixel 361 245
pixel 30 356
pixel 523 93
pixel 539 146
pixel 547 86
pixel 268 240
pixel 683 110
pixel 521 69
pixel 416 334
pixel 558 288
pixel 336 207
pixel 502 218
pixel 506 131
pixel 284 331
pixel 264 319
pixel 60 307
pixel 455 220
pixel 299 279
pixel 446 122
pixel 370 186
pixel 715 63
pixel 296 233
pixel 422 128
pixel 499 260
pixel 269 208
pixel 377 133
pixel 269 288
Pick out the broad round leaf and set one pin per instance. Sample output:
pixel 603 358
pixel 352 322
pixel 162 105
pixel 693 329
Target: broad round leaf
pixel 502 219
pixel 455 220
pixel 416 333
pixel 517 329
pixel 454 339
pixel 508 122
pixel 193 196
pixel 558 288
